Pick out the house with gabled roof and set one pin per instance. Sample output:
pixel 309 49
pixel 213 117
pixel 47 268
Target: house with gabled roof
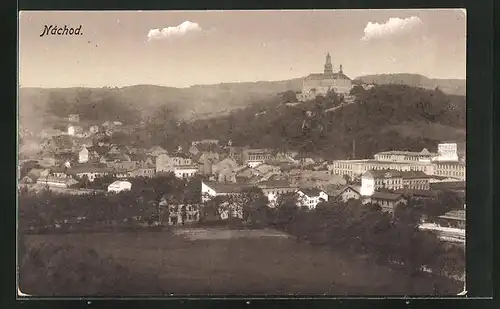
pixel 167 163
pixel 311 197
pixel 272 189
pixel 348 192
pixel 57 182
pixel 90 171
pixel 155 151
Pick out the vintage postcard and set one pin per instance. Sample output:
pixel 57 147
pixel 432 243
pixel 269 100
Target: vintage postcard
pixel 213 153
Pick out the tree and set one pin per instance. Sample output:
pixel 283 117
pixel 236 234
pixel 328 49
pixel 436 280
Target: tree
pixel 286 209
pixel 289 96
pixel 347 179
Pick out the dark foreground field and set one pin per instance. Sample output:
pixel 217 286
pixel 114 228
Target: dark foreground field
pixel 222 262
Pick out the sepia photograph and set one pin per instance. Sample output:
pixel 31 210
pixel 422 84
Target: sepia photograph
pixel 291 153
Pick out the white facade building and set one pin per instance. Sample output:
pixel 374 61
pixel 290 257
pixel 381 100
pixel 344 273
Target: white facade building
pixel 187 171
pixel 447 152
pixel 119 186
pixel 311 197
pixel 83 155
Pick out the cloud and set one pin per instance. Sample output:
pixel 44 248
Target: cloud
pixel 177 31
pixel 393 27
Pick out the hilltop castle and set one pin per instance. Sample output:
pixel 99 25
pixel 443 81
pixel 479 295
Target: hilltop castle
pixel 319 83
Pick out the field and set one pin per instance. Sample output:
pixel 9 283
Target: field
pixel 216 261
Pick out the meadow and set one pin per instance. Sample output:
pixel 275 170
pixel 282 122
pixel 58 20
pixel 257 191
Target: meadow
pixel 265 262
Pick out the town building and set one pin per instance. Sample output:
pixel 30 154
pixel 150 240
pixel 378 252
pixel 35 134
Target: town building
pixel 386 200
pixel 225 170
pixel 93 129
pixel 349 192
pixel 155 151
pixel 202 152
pixel 448 151
pixel 143 160
pixel 166 163
pixel 454 169
pixel 74 130
pixel 449 227
pixel 119 186
pixel 56 182
pixel 74 118
pixel 355 168
pixel 83 155
pixel 311 197
pixel 405 156
pixel 114 158
pixel 236 153
pixel 376 180
pixel 255 157
pixel 205 141
pixel 181 214
pixel 211 189
pixel 394 180
pixel 454 218
pixel 90 171
pixel 320 83
pixel 456 186
pixel 123 165
pixel 416 180
pixel 445 163
pixel 142 172
pixel 185 171
pixel 272 189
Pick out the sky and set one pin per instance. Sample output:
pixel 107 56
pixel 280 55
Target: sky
pixel 184 48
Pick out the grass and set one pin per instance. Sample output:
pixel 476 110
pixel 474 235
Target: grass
pixel 245 265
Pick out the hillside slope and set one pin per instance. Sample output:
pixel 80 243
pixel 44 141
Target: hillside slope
pixel 449 86
pixel 41 108
pixel 143 100
pixel 384 118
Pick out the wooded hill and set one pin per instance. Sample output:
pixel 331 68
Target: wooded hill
pixel 387 117
pixel 41 108
pixel 449 86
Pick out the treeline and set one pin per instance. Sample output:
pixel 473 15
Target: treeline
pixel 93 106
pixel 39 210
pixel 307 128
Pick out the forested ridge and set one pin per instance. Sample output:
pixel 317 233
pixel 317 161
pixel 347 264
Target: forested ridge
pixel 387 117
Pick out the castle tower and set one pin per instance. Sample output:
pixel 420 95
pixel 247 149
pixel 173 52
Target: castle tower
pixel 328 64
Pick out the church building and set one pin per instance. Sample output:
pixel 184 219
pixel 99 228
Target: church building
pixel 319 83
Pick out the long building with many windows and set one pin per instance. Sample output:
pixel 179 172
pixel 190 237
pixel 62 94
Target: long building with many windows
pixel 445 163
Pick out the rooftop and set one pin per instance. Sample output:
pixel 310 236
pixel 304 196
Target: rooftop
pixel 274 184
pixel 207 147
pixel 414 174
pixel 319 76
pixel 458 214
pixel 424 152
pixel 386 196
pixel 373 161
pixel 120 182
pixel 226 187
pixel 449 185
pixel 418 193
pixel 180 155
pixel 383 173
pixel 187 166
pixel 89 169
pixel 311 191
